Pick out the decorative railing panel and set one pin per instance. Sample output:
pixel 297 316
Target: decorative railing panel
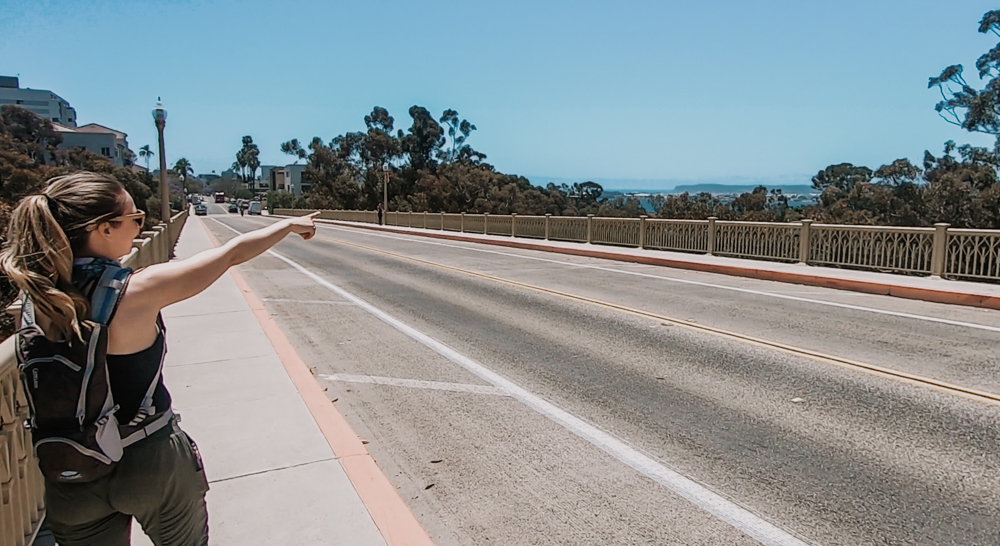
pixel 888 249
pixel 973 254
pixel 433 220
pixel 568 228
pixel 765 240
pixel 683 235
pixel 498 225
pixel 452 222
pixel 474 223
pixel 615 231
pixel 532 227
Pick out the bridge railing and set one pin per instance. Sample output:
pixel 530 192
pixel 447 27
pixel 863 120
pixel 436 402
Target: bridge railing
pixel 22 487
pixel 938 251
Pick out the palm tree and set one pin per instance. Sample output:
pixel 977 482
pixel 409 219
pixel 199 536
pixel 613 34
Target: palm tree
pixel 147 153
pixel 183 168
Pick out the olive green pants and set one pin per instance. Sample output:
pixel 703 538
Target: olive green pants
pixel 159 481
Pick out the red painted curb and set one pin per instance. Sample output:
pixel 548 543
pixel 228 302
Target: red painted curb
pixel 853 285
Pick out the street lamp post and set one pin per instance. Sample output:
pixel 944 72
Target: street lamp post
pixel 160 117
pixel 385 190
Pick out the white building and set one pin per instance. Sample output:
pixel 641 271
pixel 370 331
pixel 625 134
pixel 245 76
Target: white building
pixel 287 178
pixel 43 103
pixel 96 139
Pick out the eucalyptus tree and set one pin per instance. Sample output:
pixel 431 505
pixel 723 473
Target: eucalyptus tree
pixel 458 131
pixel 423 141
pixel 293 148
pixel 975 110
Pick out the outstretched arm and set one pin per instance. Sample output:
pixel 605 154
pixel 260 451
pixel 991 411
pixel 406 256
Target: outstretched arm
pixel 160 285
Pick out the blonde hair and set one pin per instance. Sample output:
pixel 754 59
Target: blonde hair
pixel 45 232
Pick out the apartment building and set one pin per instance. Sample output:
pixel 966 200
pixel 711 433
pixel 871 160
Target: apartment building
pixel 42 102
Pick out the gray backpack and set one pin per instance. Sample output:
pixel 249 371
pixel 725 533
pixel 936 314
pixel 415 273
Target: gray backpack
pixel 72 412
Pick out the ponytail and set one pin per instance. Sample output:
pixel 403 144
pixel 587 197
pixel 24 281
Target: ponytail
pixel 44 233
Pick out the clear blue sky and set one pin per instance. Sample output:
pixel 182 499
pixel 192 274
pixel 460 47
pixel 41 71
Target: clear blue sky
pixel 660 91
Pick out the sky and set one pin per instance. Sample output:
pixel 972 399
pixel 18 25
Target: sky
pixel 641 95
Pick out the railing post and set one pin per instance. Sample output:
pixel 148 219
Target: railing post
pixel 547 216
pixel 939 250
pixel 486 223
pixel 461 225
pixel 711 235
pixel 642 231
pixel 513 221
pixel 425 219
pixel 409 218
pixel 441 225
pixel 158 240
pixel 804 242
pixel 590 228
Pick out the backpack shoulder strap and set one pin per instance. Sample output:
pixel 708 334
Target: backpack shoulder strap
pixel 107 292
pixel 27 311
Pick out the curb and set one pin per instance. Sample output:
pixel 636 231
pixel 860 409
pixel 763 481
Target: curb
pixel 853 285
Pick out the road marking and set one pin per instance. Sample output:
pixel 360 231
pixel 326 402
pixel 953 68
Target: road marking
pixel 328 302
pixel 417 239
pixel 728 511
pixel 413 383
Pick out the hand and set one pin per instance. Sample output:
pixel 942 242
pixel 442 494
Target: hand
pixel 303 225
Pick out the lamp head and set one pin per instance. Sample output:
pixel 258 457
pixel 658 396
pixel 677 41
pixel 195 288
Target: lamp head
pixel 159 112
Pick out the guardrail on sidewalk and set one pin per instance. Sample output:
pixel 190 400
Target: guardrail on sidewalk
pixel 938 251
pixel 21 484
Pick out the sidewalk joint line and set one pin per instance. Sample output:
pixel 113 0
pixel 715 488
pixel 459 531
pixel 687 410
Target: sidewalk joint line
pixel 258 473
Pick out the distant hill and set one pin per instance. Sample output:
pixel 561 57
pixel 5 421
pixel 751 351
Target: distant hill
pixel 727 188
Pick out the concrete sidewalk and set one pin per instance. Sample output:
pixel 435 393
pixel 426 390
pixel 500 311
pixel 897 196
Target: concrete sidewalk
pixel 904 286
pixel 274 477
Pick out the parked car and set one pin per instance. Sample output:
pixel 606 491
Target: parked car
pixel 254 208
pixel 200 209
pixel 233 207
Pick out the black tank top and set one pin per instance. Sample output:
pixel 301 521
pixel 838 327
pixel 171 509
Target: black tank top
pixel 130 376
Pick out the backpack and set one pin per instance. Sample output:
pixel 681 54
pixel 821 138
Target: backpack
pixel 71 410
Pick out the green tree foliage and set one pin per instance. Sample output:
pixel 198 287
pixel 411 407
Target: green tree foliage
pixel 458 131
pixel 423 140
pixel 279 200
pixel 976 110
pixel 293 148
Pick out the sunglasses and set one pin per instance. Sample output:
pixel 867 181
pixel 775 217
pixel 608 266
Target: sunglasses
pixel 138 217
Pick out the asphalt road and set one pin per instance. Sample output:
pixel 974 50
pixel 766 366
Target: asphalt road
pixel 510 416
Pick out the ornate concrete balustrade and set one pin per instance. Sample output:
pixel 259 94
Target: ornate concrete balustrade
pixel 21 485
pixel 939 251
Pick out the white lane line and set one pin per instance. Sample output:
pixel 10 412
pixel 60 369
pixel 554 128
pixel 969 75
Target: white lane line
pixel 417 239
pixel 413 383
pixel 699 495
pixel 328 302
